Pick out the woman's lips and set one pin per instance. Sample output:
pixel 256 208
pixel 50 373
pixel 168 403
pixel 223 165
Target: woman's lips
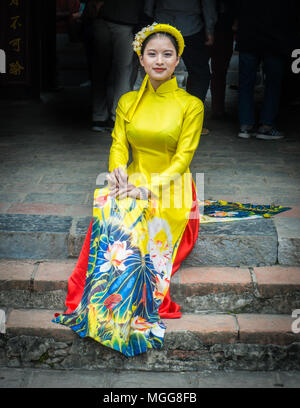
pixel 159 69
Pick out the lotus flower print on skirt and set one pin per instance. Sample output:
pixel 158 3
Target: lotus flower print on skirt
pixel 128 276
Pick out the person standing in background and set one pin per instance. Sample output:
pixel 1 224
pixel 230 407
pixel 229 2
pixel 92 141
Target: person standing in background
pixel 221 53
pixel 114 68
pixel 265 34
pixel 89 14
pixel 290 95
pixel 65 12
pixel 196 20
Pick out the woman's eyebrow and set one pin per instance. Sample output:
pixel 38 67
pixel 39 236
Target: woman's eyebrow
pixel 152 49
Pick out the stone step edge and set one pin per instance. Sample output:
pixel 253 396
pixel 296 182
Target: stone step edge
pixel 76 226
pixel 62 237
pixel 265 281
pixel 209 328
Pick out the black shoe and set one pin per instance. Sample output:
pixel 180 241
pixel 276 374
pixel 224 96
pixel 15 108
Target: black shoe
pixel 99 126
pixel 269 134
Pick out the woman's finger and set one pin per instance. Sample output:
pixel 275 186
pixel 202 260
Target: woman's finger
pixel 113 191
pixel 131 186
pixel 112 180
pixel 122 194
pixel 134 193
pixel 124 185
pixel 123 176
pixel 125 191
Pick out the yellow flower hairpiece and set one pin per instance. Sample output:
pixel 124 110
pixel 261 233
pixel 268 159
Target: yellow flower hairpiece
pixel 151 29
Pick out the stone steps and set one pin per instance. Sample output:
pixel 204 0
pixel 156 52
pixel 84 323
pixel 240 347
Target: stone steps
pixel 194 342
pixel 269 289
pixel 273 289
pixel 233 318
pixel 250 242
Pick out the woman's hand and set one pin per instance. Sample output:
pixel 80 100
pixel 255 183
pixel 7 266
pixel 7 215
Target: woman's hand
pixel 140 193
pixel 120 187
pixel 130 191
pixel 118 183
pixel 117 180
pixel 119 177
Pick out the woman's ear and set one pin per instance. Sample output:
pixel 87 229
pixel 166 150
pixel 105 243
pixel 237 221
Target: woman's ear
pixel 141 60
pixel 178 60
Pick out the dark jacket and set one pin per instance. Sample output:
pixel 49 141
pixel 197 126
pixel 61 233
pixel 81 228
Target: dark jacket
pixel 122 11
pixel 266 27
pixel 227 12
pixel 188 16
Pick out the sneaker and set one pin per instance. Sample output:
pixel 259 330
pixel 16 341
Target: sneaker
pixel 246 131
pixel 99 126
pixel 269 134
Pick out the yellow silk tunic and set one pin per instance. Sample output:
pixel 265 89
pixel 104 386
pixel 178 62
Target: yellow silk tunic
pixel 163 129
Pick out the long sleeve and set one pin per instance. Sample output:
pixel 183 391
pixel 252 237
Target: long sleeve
pixel 210 15
pixel 187 144
pixel 119 155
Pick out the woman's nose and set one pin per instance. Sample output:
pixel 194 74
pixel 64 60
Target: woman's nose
pixel 159 59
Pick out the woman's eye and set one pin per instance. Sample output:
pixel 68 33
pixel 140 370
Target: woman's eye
pixel 167 54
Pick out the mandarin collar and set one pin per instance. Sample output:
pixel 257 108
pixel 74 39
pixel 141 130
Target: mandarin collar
pixel 168 86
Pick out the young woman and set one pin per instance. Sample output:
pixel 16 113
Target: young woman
pixel 146 221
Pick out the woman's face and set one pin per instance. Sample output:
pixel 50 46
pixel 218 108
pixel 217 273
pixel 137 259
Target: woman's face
pixel 159 60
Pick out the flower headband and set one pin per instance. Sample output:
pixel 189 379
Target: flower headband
pixel 155 27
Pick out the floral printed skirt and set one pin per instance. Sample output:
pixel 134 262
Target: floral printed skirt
pixel 130 263
pixel 119 290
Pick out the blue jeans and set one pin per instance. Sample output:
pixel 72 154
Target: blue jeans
pixel 273 68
